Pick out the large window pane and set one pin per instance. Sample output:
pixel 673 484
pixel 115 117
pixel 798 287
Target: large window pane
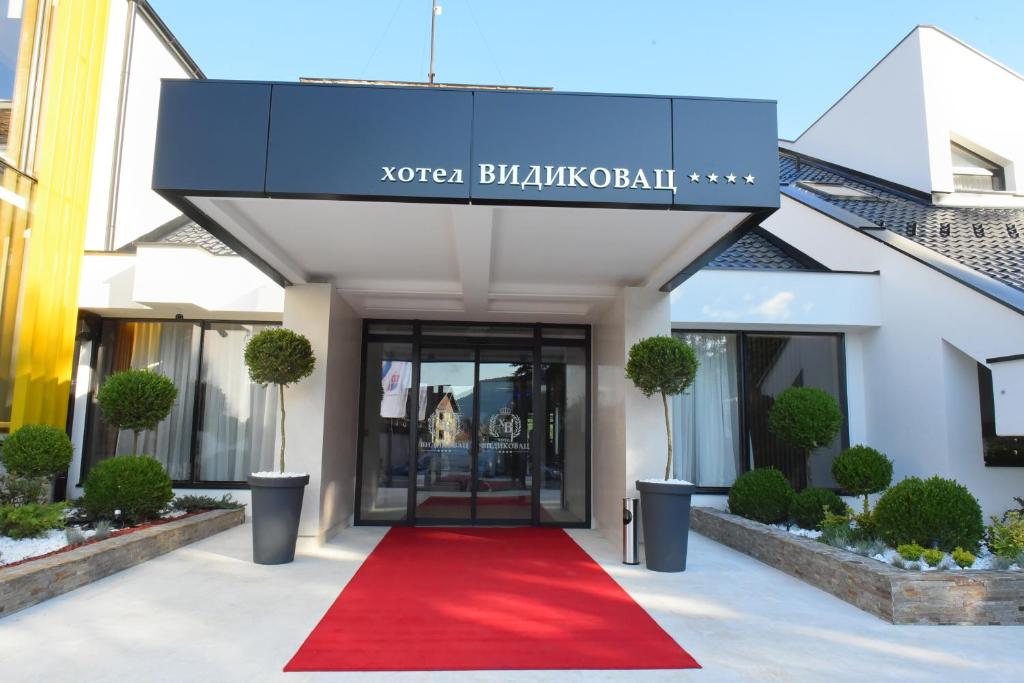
pixel 563 490
pixel 775 363
pixel 239 417
pixel 171 349
pixel 707 445
pixel 385 431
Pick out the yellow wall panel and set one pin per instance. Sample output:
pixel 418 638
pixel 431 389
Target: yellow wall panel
pixel 63 167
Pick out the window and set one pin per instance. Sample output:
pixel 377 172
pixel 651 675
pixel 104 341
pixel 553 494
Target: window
pixel 836 190
pixel 973 173
pixel 999 451
pixel 720 424
pixel 222 426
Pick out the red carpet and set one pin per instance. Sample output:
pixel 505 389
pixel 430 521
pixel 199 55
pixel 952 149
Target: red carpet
pixel 445 599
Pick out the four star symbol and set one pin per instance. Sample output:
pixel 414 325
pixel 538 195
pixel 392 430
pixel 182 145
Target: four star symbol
pixel 730 178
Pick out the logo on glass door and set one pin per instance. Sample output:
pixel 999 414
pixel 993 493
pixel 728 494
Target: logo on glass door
pixel 505 424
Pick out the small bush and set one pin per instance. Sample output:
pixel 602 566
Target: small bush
pixel 933 557
pixel 1006 537
pixel 137 400
pixel 899 563
pixel 197 503
pixel 102 528
pixel 805 417
pixel 31 520
pixel 1000 563
pixel 926 511
pixel 861 471
pixel 865 525
pixel 37 451
pixel 763 495
pixel 911 552
pixel 963 558
pixel 21 490
pixel 74 535
pixel 809 507
pixel 835 530
pixel 137 485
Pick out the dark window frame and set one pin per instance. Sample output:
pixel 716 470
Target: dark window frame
pixel 203 325
pixel 536 342
pixel 741 380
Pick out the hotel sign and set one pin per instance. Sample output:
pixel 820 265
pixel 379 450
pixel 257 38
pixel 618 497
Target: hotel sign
pixel 462 146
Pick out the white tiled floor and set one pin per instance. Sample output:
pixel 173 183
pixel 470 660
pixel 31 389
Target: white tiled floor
pixel 206 613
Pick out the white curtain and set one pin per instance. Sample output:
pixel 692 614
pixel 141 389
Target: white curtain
pixel 706 438
pixel 166 348
pixel 239 421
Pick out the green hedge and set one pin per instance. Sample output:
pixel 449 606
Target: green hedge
pixel 808 507
pixel 137 485
pixel 763 495
pixel 929 511
pixel 37 451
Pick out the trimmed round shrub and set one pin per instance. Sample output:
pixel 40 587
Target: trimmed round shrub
pixel 861 470
pixel 805 417
pixel 928 511
pixel 279 356
pixel 808 507
pixel 136 399
pixel 763 495
pixel 37 451
pixel 137 485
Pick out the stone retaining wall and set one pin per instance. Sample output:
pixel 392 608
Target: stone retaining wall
pixel 897 595
pixel 33 582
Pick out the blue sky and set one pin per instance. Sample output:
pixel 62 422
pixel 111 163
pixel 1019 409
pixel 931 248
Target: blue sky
pixel 803 54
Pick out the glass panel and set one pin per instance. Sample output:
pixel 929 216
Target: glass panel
pixel 999 451
pixel 775 363
pixel 563 490
pixel 477 331
pixel 390 328
pixel 504 464
pixel 444 434
pixel 239 417
pixel 386 417
pixel 171 349
pixel 564 333
pixel 706 418
pixel 10 40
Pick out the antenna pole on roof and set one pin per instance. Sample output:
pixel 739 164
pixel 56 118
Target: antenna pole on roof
pixel 435 10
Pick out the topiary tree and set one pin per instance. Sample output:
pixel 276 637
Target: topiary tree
pixel 928 511
pixel 137 400
pixel 37 451
pixel 805 418
pixel 861 470
pixel 282 357
pixel 137 485
pixel 809 506
pixel 663 365
pixel 763 495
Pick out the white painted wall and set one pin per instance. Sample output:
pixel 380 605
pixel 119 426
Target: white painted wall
pixel 878 126
pixel 920 402
pixel 321 409
pixel 629 429
pixel 897 121
pixel 137 209
pixel 163 280
pixel 715 297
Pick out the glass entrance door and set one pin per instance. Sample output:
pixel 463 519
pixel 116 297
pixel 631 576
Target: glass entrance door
pixel 474 453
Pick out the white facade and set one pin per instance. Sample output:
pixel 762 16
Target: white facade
pixel 912 335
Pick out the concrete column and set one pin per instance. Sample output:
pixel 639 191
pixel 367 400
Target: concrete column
pixel 322 410
pixel 629 429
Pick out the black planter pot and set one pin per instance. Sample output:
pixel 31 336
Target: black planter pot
pixel 276 506
pixel 665 518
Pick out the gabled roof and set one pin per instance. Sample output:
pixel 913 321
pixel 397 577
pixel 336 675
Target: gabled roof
pixel 988 241
pixel 181 231
pixel 760 250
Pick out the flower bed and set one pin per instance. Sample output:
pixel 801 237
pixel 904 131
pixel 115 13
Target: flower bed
pixel 32 582
pixel 900 596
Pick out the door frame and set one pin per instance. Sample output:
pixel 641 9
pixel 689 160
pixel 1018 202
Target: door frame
pixel 537 341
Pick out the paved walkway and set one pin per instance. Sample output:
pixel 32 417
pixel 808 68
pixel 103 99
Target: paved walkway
pixel 206 613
